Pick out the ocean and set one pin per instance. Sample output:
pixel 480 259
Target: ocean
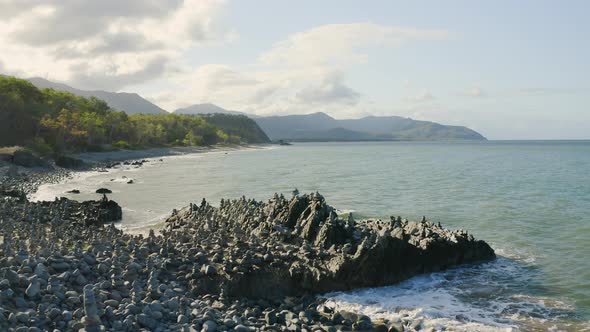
pixel 529 199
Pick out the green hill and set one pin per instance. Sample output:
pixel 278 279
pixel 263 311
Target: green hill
pixel 238 125
pixel 55 122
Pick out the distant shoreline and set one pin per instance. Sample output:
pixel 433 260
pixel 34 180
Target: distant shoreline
pixel 123 155
pixel 29 179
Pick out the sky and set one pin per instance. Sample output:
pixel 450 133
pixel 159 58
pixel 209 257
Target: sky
pixel 508 69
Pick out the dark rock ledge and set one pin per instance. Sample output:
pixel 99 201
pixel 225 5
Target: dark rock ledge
pixel 244 266
pixel 300 246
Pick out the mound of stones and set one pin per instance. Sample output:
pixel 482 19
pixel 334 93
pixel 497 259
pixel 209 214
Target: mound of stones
pixel 94 212
pixel 301 246
pixel 243 266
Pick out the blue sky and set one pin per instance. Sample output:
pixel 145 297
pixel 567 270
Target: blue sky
pixel 509 69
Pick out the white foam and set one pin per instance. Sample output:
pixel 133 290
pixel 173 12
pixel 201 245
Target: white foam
pixel 48 191
pixel 477 298
pixel 423 297
pixel 345 211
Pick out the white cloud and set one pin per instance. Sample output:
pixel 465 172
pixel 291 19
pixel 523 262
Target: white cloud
pixel 340 44
pixel 103 44
pixel 111 45
pixel 304 73
pixel 330 90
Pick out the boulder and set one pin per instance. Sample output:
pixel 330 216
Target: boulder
pixel 104 210
pixel 94 212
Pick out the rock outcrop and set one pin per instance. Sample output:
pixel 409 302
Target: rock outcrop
pixel 215 269
pixel 87 212
pixel 301 246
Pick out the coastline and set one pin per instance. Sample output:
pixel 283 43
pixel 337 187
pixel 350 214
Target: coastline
pixel 128 155
pixel 212 279
pixel 29 179
pixel 420 293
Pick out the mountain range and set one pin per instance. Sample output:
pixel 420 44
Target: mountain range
pixel 130 103
pixel 322 127
pixel 307 127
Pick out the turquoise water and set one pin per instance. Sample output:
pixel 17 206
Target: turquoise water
pixel 529 200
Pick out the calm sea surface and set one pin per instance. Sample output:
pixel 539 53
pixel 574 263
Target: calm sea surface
pixel 529 200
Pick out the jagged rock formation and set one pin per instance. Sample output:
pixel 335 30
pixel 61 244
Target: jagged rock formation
pixel 300 246
pixel 211 269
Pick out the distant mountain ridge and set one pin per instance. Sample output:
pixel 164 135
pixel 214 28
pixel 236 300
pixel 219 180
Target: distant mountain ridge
pixel 308 127
pixel 130 103
pixel 206 108
pixel 322 127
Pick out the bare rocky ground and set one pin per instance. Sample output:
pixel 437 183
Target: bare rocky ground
pixel 243 266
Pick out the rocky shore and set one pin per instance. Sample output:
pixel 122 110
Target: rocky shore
pixel 242 266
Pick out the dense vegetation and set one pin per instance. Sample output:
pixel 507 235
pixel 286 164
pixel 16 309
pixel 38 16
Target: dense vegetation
pixel 238 125
pixel 54 122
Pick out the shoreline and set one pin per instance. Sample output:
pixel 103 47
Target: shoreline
pixel 145 233
pixel 128 155
pixel 29 179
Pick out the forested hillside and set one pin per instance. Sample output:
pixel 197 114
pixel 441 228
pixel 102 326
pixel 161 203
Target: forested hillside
pixel 55 122
pixel 238 125
pixel 130 103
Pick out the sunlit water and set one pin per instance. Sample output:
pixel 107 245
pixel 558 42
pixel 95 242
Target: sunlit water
pixel 529 200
